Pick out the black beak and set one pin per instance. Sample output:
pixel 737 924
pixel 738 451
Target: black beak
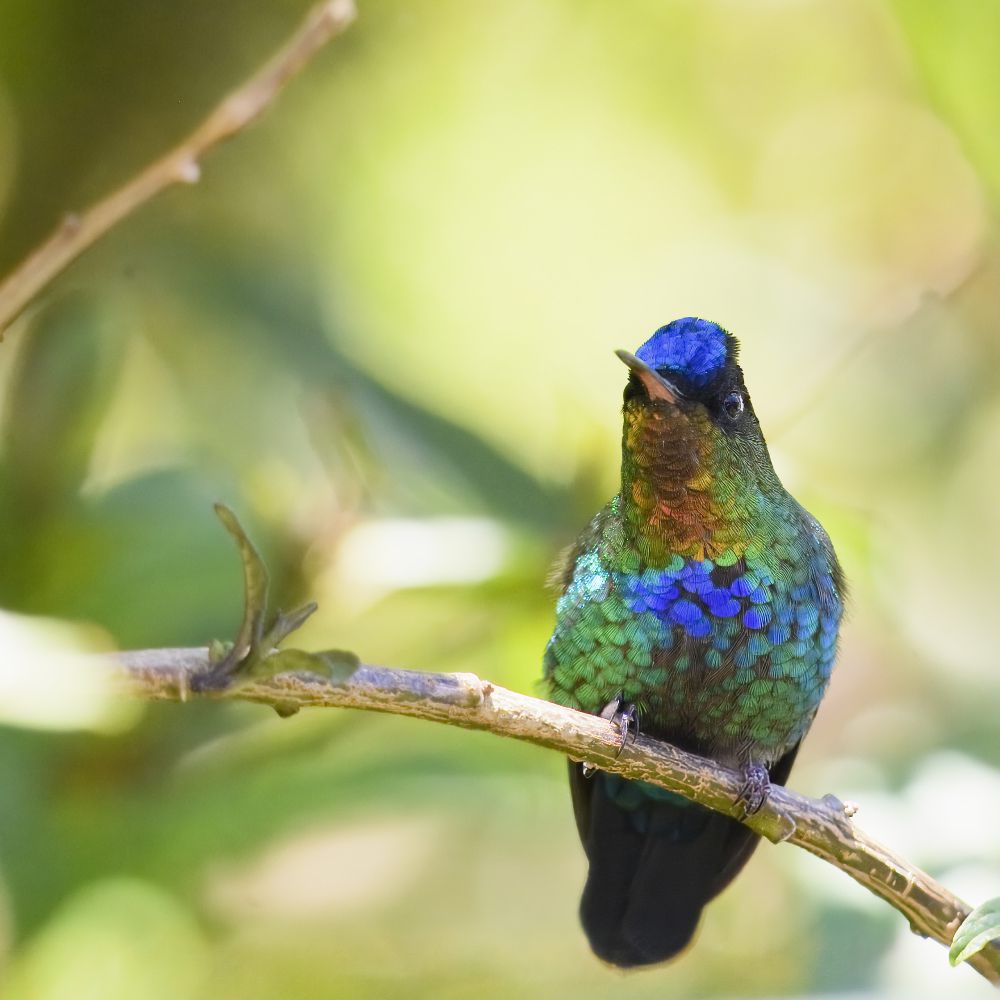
pixel 656 385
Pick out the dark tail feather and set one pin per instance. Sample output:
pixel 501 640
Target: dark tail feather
pixel 654 864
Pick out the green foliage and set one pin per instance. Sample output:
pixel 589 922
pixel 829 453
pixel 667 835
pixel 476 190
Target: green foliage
pixel 954 50
pixel 253 655
pixel 115 940
pixel 66 371
pixel 978 929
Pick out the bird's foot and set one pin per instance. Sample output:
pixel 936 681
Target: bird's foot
pixel 756 788
pixel 624 715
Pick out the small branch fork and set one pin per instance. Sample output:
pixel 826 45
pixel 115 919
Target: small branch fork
pixel 181 165
pixel 822 827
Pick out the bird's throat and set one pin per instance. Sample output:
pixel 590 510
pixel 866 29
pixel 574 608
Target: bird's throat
pixel 678 495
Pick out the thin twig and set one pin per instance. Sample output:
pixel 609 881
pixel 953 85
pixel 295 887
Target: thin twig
pixel 180 165
pixel 822 827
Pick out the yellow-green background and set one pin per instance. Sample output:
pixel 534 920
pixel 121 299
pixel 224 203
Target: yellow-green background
pixel 381 329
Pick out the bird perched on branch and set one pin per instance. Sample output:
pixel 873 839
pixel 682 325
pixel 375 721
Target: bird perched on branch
pixel 702 603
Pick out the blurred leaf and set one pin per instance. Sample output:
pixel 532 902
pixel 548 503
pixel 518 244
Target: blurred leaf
pixel 142 560
pixel 414 460
pixel 115 940
pixel 59 394
pixel 48 678
pixel 955 47
pixel 978 929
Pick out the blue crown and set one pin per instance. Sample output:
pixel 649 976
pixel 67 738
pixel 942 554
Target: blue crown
pixel 693 348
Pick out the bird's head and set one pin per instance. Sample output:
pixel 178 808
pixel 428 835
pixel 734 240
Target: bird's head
pixel 694 460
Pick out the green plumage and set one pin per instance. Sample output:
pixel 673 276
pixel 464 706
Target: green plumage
pixel 645 630
pixel 702 594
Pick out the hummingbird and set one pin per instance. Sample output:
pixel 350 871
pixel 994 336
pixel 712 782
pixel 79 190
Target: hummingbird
pixel 703 602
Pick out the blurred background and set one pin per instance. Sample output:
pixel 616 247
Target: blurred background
pixel 381 328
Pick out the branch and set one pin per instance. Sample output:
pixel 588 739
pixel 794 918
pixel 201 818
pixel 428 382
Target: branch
pixel 178 166
pixel 822 827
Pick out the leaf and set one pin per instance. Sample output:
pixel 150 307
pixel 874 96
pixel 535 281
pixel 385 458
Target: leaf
pixel 955 52
pixel 255 581
pixel 58 396
pixel 333 665
pixel 978 929
pixel 285 624
pixel 253 656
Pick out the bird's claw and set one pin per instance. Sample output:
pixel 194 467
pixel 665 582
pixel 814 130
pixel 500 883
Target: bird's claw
pixel 756 789
pixel 624 715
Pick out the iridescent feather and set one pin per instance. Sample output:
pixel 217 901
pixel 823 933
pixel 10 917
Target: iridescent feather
pixel 705 595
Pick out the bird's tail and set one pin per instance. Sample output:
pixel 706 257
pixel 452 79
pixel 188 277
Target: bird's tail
pixel 655 861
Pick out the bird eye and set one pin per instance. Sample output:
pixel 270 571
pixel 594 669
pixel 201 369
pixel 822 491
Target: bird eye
pixel 732 403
